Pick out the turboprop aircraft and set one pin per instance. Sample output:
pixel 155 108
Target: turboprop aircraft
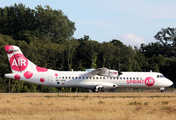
pixel 94 79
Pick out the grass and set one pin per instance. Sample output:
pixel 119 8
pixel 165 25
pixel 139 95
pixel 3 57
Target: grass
pixel 88 106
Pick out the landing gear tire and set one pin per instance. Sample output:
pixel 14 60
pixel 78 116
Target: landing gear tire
pixel 99 89
pixel 93 90
pixel 162 90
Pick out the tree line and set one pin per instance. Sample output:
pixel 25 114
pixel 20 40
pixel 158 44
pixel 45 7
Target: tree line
pixel 45 37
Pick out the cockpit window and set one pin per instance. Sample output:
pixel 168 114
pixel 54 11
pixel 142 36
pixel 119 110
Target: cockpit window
pixel 160 76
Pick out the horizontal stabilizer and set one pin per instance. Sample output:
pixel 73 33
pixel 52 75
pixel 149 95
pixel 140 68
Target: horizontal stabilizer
pixel 13 76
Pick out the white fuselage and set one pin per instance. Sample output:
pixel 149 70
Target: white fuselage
pixel 85 80
pixel 95 79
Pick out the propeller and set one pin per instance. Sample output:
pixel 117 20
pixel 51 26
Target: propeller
pixel 119 72
pixel 115 67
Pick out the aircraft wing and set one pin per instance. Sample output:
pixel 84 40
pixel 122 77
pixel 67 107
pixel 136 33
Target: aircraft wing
pixel 98 71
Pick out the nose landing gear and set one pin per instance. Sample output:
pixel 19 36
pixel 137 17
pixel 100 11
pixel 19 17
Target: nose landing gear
pixel 162 89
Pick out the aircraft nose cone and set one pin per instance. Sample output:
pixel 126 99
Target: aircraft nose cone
pixel 170 82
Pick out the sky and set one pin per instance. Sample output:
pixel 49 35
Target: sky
pixel 133 22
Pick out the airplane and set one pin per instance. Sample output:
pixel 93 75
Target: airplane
pixel 93 79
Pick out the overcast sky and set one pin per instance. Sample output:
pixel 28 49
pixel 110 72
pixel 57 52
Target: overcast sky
pixel 131 21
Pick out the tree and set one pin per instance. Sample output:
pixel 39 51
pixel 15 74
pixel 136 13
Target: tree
pixel 53 23
pixel 70 51
pixel 107 54
pixel 24 23
pixel 167 37
pixel 87 52
pixel 152 49
pixel 142 63
pixel 5 83
pixel 16 21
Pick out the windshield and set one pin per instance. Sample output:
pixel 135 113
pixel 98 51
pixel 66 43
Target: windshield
pixel 160 76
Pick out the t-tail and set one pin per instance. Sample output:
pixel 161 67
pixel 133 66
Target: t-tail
pixel 20 64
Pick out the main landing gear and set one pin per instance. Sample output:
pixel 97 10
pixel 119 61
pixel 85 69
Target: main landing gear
pixel 98 89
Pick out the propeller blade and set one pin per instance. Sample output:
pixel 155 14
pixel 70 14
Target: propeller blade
pixel 119 72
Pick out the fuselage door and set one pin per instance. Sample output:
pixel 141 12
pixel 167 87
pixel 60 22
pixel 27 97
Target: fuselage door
pixel 50 80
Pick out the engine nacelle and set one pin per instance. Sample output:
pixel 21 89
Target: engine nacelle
pixel 104 72
pixel 110 73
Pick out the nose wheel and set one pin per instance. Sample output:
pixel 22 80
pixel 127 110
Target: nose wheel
pixel 162 89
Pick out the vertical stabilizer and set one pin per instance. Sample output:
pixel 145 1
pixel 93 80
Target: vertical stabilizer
pixel 18 62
